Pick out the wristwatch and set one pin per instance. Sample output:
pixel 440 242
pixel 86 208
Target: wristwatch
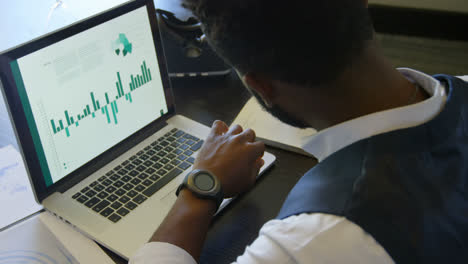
pixel 204 185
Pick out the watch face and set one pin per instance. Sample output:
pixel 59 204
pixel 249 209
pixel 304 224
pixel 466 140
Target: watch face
pixel 204 182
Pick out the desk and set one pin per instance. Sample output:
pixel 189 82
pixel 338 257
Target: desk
pixel 206 100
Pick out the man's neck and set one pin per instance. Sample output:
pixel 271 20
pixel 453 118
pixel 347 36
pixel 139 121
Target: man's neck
pixel 370 85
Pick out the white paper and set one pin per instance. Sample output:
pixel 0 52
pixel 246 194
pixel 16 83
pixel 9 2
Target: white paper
pixel 269 128
pixel 16 197
pixel 82 248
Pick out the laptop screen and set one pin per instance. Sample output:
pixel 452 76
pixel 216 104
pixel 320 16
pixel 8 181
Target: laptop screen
pixel 88 92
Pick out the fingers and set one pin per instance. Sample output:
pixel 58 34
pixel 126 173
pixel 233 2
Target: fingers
pixel 219 127
pixel 248 135
pixel 257 149
pixel 234 129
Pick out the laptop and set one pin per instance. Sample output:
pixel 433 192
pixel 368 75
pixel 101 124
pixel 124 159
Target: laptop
pixel 94 115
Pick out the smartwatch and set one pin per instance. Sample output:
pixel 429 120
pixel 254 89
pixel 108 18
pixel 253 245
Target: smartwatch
pixel 203 184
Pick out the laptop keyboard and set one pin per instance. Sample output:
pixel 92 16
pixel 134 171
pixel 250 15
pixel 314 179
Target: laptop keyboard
pixel 118 192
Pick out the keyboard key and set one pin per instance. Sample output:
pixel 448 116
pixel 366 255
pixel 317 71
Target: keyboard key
pixel 190 142
pixel 146 148
pixel 99 187
pixel 123 211
pixel 116 205
pixel 106 212
pixel 120 192
pixel 112 197
pixel 161 172
pixel 132 194
pixel 157 165
pixel 90 193
pixel 168 149
pixel 141 168
pixel 135 181
pixel 185 165
pixel 181 140
pixel 114 218
pixel 164 143
pixel 174 130
pixel 93 184
pixel 168 167
pixel 126 178
pixel 175 144
pixel 117 168
pixel 82 199
pixel 197 146
pixel 92 202
pixel 102 178
pixel 165 161
pixel 125 163
pixel 132 158
pixel 102 195
pixel 143 176
pixel 76 195
pixel 154 177
pixel 111 189
pixel 167 134
pixel 140 188
pixel 101 205
pixel 110 173
pixel 178 133
pixel 150 152
pixel 188 153
pixel 162 154
pixel 128 186
pixel 163 181
pixel 148 163
pixel 139 199
pixel 177 151
pixel 122 172
pixel 147 183
pixel 184 147
pixel 155 158
pixel 140 153
pixel 130 205
pixel 137 162
pixel 175 162
pixel 182 157
pixel 157 148
pixel 133 173
pixel 107 182
pixel 171 139
pixel 130 167
pixel 85 189
pixel 118 184
pixel 124 199
pixel 171 156
pixel 144 157
pixel 114 177
pixel 191 160
pixel 150 171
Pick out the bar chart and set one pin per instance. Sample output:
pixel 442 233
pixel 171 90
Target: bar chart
pixel 108 106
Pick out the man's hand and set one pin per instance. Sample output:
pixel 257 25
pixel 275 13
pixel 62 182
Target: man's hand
pixel 233 156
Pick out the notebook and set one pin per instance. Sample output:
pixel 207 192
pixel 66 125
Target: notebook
pixel 94 115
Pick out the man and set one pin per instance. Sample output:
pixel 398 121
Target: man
pixel 391 185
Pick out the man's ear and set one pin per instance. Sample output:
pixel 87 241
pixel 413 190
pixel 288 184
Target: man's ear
pixel 261 85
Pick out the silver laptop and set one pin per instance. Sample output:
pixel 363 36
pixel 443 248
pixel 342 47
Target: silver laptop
pixel 94 114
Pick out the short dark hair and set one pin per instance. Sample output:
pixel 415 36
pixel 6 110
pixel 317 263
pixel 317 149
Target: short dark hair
pixel 297 41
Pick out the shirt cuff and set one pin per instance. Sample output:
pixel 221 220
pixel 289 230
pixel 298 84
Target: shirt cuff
pixel 161 253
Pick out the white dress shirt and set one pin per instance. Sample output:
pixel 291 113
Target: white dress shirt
pixel 316 237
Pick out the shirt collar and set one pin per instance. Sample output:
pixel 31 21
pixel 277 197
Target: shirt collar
pixel 333 139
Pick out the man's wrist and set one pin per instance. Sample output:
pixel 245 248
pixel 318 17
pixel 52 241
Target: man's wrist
pixel 193 202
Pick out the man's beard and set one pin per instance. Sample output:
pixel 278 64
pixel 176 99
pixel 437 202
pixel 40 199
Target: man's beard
pixel 279 113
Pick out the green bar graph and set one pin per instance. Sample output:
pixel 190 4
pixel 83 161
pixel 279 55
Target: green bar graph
pixel 53 126
pixel 94 102
pixel 107 114
pixel 137 80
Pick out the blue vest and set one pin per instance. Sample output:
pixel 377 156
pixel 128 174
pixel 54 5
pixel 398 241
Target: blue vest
pixel 407 188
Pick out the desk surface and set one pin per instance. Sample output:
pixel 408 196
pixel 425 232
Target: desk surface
pixel 203 100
